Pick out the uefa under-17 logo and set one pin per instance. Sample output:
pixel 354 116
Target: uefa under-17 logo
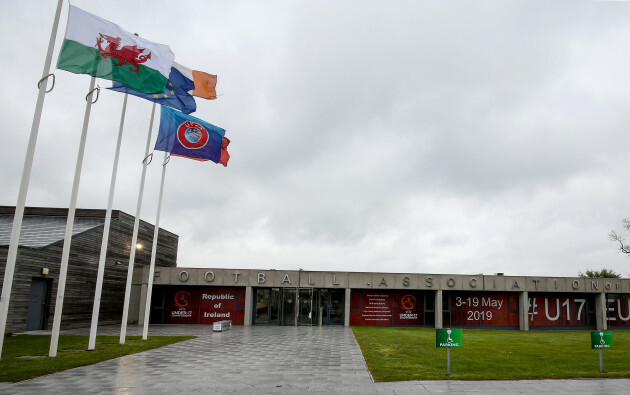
pixel 192 135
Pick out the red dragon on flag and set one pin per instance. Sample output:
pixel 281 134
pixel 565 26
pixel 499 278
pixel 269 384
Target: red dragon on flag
pixel 129 54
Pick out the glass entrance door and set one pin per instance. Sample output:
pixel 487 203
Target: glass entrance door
pixel 308 307
pixel 287 316
pixel 278 306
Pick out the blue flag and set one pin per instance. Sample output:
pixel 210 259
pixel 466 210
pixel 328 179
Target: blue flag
pixel 190 137
pixel 175 94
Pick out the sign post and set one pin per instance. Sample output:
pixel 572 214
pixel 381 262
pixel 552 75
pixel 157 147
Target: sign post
pixel 448 338
pixel 601 340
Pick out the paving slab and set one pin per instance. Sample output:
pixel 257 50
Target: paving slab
pixel 264 360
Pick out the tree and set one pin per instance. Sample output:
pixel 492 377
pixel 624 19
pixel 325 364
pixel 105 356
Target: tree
pixel 614 236
pixel 604 273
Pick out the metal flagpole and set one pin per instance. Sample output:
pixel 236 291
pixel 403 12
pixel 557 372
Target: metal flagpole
pixel 108 219
pixel 147 308
pixel 26 175
pixel 134 237
pixel 67 241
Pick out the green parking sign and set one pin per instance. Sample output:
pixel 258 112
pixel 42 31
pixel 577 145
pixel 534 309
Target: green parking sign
pixel 448 337
pixel 601 339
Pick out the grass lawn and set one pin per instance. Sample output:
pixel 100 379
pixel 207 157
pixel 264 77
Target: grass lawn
pixel 401 354
pixel 70 353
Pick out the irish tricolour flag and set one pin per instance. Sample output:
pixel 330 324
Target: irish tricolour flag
pixel 102 49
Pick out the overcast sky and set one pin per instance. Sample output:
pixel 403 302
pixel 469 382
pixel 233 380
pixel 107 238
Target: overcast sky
pixel 409 136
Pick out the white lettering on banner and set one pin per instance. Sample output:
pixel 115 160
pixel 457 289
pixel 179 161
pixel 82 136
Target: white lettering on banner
pixel 565 304
pixel 181 313
pixel 217 297
pixel 377 308
pixel 622 318
pixel 611 309
pixel 582 303
pixel 474 302
pixel 531 309
pixel 479 315
pixel 557 310
pixel 216 315
pixel 491 302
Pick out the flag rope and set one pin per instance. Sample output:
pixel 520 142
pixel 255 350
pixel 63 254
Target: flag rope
pixel 39 84
pixel 90 94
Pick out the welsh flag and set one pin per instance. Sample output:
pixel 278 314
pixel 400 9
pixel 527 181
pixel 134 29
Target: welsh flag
pixel 102 49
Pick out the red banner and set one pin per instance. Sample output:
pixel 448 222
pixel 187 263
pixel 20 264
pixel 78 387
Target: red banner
pixel 387 308
pixel 217 304
pixel 483 309
pixel 182 306
pixel 553 310
pixel 196 305
pixel 407 309
pixel 618 310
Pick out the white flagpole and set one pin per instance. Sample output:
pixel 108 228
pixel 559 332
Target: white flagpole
pixel 134 237
pixel 26 175
pixel 108 219
pixel 147 308
pixel 67 241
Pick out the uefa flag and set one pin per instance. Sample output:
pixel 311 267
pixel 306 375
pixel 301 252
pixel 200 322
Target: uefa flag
pixel 190 137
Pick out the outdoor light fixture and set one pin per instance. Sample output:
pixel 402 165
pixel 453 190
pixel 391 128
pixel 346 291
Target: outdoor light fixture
pixel 138 246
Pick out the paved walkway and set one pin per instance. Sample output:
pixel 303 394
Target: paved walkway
pixel 264 360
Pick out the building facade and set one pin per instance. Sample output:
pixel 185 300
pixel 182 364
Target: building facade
pixel 36 275
pixel 279 297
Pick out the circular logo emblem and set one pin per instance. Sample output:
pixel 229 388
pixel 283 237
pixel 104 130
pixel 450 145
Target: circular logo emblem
pixel 408 302
pixel 182 299
pixel 192 135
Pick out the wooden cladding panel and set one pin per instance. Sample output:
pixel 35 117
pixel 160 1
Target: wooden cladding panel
pixel 82 271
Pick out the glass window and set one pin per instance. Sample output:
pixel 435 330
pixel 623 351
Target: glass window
pixel 262 306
